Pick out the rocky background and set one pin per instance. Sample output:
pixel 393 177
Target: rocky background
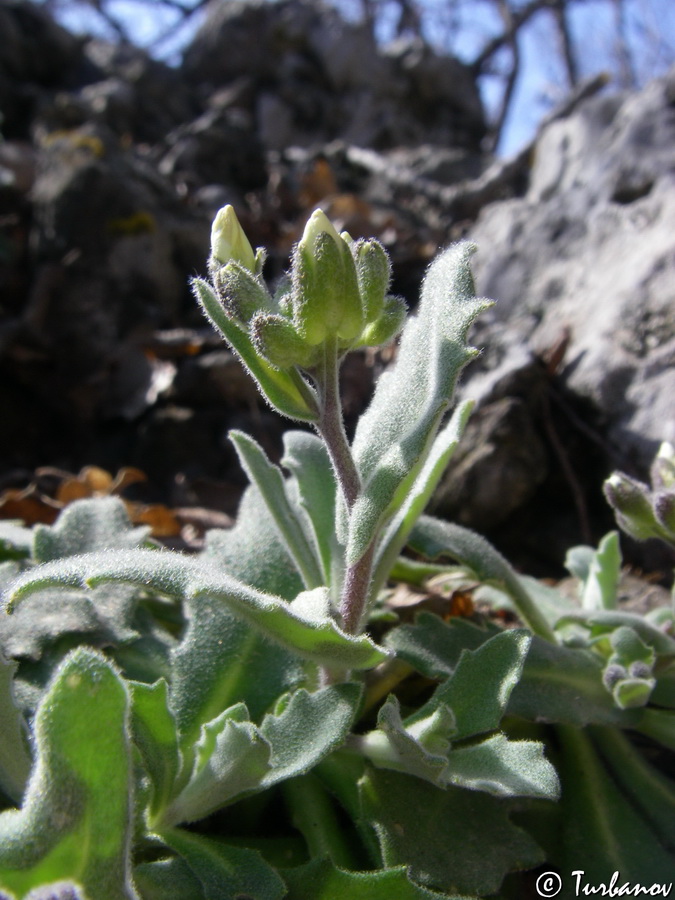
pixel 113 164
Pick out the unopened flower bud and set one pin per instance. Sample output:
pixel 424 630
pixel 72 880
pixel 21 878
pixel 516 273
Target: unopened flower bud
pixel 326 300
pixel 228 241
pixel 663 468
pixel 242 293
pixel 664 510
pixel 373 270
pixel 275 338
pixel 387 325
pixel 631 502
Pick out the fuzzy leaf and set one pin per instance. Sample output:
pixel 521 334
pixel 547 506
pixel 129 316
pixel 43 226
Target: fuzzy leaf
pixel 427 481
pixel 478 691
pixel 504 768
pixel 87 525
pixel 82 781
pixel 254 536
pixel 434 538
pixel 235 757
pixel 186 577
pixel 433 646
pixel 168 879
pixel 103 617
pixel 602 582
pixel 270 483
pixel 395 434
pixel 603 831
pixel 392 746
pixel 305 456
pixel 16 542
pixel 645 786
pixel 606 621
pixel 563 684
pixel 231 759
pixel 154 731
pixel 15 760
pixel 226 873
pixel 221 661
pixel 321 880
pixel 443 836
pixel 280 388
pixel 306 727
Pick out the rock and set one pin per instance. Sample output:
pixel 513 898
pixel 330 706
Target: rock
pixel 498 467
pixel 588 250
pixel 35 55
pixel 316 77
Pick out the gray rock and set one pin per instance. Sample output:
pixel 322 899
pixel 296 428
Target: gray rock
pixel 589 250
pixel 316 77
pixel 498 467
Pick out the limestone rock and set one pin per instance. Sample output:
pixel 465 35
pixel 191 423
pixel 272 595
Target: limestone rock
pixel 589 251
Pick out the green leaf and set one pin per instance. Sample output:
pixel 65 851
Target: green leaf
pixel 154 732
pixel 254 536
pixel 420 494
pixel 606 621
pixel 306 457
pixel 393 746
pixel 479 689
pixel 16 542
pixel 103 617
pixel 84 526
pixel 82 781
pixel 504 768
pixel 451 840
pixel 168 879
pixel 231 759
pixel 433 538
pixel 602 581
pixel 222 661
pixel 15 759
pixel 394 436
pixel 645 786
pixel 270 483
pixel 306 727
pixel 235 757
pixel 321 880
pixel 225 872
pixel 603 832
pixel 186 577
pixel 433 646
pixel 289 395
pixel 564 684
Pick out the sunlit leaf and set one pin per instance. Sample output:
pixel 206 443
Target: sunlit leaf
pixel 76 819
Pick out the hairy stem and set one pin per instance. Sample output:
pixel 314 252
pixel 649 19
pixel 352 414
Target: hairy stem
pixel 355 591
pixel 331 427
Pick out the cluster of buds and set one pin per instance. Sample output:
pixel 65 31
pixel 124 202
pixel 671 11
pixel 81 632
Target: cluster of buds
pixel 643 511
pixel 334 299
pixel 628 674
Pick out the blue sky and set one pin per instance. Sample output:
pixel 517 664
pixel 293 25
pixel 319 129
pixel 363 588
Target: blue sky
pixel 463 26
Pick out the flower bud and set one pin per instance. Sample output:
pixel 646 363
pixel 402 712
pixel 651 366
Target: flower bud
pixel 228 241
pixel 373 270
pixel 275 338
pixel 242 294
pixel 632 506
pixel 664 511
pixel 326 300
pixel 663 468
pixel 387 325
pixel 632 693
